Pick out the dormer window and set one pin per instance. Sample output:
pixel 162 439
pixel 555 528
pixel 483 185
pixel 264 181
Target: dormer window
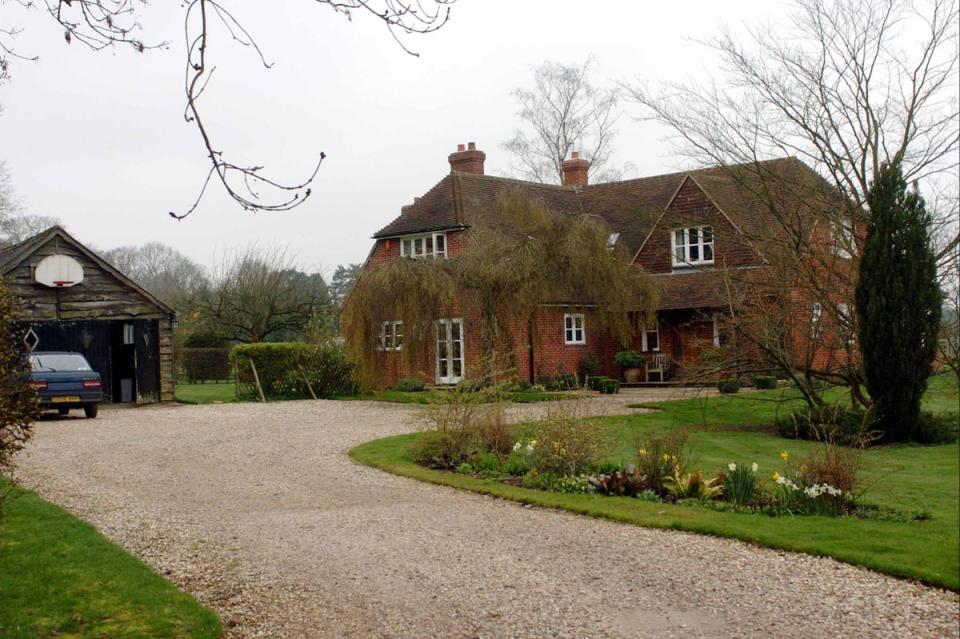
pixel 430 245
pixel 692 246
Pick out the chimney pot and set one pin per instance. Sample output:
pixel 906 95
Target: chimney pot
pixel 575 170
pixel 467 160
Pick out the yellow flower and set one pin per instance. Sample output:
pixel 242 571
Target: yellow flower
pixel 533 442
pixel 642 452
pixel 784 455
pixel 775 477
pixel 666 457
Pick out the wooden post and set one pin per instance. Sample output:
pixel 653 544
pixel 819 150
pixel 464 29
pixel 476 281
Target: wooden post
pixel 256 378
pixel 309 387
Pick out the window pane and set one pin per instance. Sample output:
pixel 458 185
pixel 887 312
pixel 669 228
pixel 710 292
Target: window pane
pixel 568 321
pixel 694 250
pixel 441 244
pixel 707 234
pixel 457 367
pixel 678 238
pixel 429 243
pixel 708 252
pixel 455 330
pixel 694 235
pixel 653 340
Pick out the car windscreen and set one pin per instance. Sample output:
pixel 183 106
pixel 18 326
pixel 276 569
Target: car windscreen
pixel 58 362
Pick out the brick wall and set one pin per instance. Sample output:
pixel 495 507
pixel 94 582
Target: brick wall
pixel 691 207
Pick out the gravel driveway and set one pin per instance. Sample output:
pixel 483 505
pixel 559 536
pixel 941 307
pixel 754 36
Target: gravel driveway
pixel 258 511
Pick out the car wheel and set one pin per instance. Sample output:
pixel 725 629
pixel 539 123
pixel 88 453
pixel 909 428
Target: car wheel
pixel 63 411
pixel 90 410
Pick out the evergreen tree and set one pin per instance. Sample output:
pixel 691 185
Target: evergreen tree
pixel 898 301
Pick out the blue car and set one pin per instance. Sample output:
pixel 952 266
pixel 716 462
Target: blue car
pixel 64 381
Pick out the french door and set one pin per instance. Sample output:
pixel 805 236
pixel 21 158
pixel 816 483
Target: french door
pixel 449 351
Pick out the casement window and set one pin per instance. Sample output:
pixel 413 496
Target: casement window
pixel 430 245
pixel 844 241
pixel 816 314
pixel 692 246
pixel 573 332
pixel 391 335
pixel 651 338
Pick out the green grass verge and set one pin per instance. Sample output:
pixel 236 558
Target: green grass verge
pixel 907 478
pixel 434 396
pixel 209 393
pixel 60 578
pixel 218 393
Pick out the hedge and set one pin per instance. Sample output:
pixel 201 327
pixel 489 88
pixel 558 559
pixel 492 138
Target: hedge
pixel 281 367
pixel 201 364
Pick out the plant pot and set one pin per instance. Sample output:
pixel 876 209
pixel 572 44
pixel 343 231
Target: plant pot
pixel 632 375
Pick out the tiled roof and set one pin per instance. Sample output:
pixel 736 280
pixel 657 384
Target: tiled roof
pixel 708 288
pixel 629 207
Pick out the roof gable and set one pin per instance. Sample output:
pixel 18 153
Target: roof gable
pixel 12 256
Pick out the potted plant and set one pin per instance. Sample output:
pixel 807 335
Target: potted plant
pixel 630 362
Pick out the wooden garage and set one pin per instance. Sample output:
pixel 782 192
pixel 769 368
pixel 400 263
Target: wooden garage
pixel 70 299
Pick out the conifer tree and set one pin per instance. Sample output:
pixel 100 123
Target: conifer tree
pixel 899 302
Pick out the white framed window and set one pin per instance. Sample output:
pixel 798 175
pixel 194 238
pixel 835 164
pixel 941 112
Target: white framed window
pixel 844 240
pixel 816 314
pixel 429 245
pixel 692 246
pixel 573 332
pixel 391 335
pixel 651 338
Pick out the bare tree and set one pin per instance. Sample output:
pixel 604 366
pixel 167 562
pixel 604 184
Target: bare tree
pixel 102 24
pixel 15 225
pixel 164 271
pixel 257 294
pixel 846 87
pixel 563 112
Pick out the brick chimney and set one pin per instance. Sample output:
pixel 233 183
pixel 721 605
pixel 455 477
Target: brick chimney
pixel 575 170
pixel 467 160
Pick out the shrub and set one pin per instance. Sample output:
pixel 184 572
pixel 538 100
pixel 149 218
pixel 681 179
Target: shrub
pixel 824 483
pixel 409 384
pixel 740 484
pixel 589 365
pixel 495 436
pixel 610 386
pixel 444 449
pixel 937 429
pixel 693 485
pixel 629 359
pixel 765 381
pixel 565 444
pixel 729 386
pixel 838 424
pixel 594 383
pixel 515 465
pixel 659 455
pixel 281 367
pixel 628 482
pixel 201 364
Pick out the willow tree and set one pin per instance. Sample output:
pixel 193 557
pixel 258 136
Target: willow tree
pixel 521 257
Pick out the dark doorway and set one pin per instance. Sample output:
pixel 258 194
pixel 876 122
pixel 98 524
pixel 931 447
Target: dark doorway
pixel 147 337
pixel 123 360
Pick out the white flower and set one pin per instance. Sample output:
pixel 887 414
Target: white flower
pixel 529 448
pixel 732 466
pixel 755 467
pixel 516 446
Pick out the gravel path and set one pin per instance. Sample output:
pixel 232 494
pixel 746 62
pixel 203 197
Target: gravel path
pixel 258 511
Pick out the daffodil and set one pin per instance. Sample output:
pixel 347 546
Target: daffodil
pixel 755 467
pixel 775 476
pixel 784 455
pixel 732 467
pixel 642 452
pixel 666 457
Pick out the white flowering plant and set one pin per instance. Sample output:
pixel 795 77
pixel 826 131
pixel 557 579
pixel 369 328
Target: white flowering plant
pixel 740 484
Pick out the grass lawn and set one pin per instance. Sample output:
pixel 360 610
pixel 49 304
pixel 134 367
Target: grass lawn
pixel 214 393
pixel 60 578
pixel 209 393
pixel 907 478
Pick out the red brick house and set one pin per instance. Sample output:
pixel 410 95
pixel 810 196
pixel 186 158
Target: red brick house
pixel 677 227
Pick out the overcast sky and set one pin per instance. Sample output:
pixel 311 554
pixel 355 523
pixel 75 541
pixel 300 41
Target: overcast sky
pixel 98 139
